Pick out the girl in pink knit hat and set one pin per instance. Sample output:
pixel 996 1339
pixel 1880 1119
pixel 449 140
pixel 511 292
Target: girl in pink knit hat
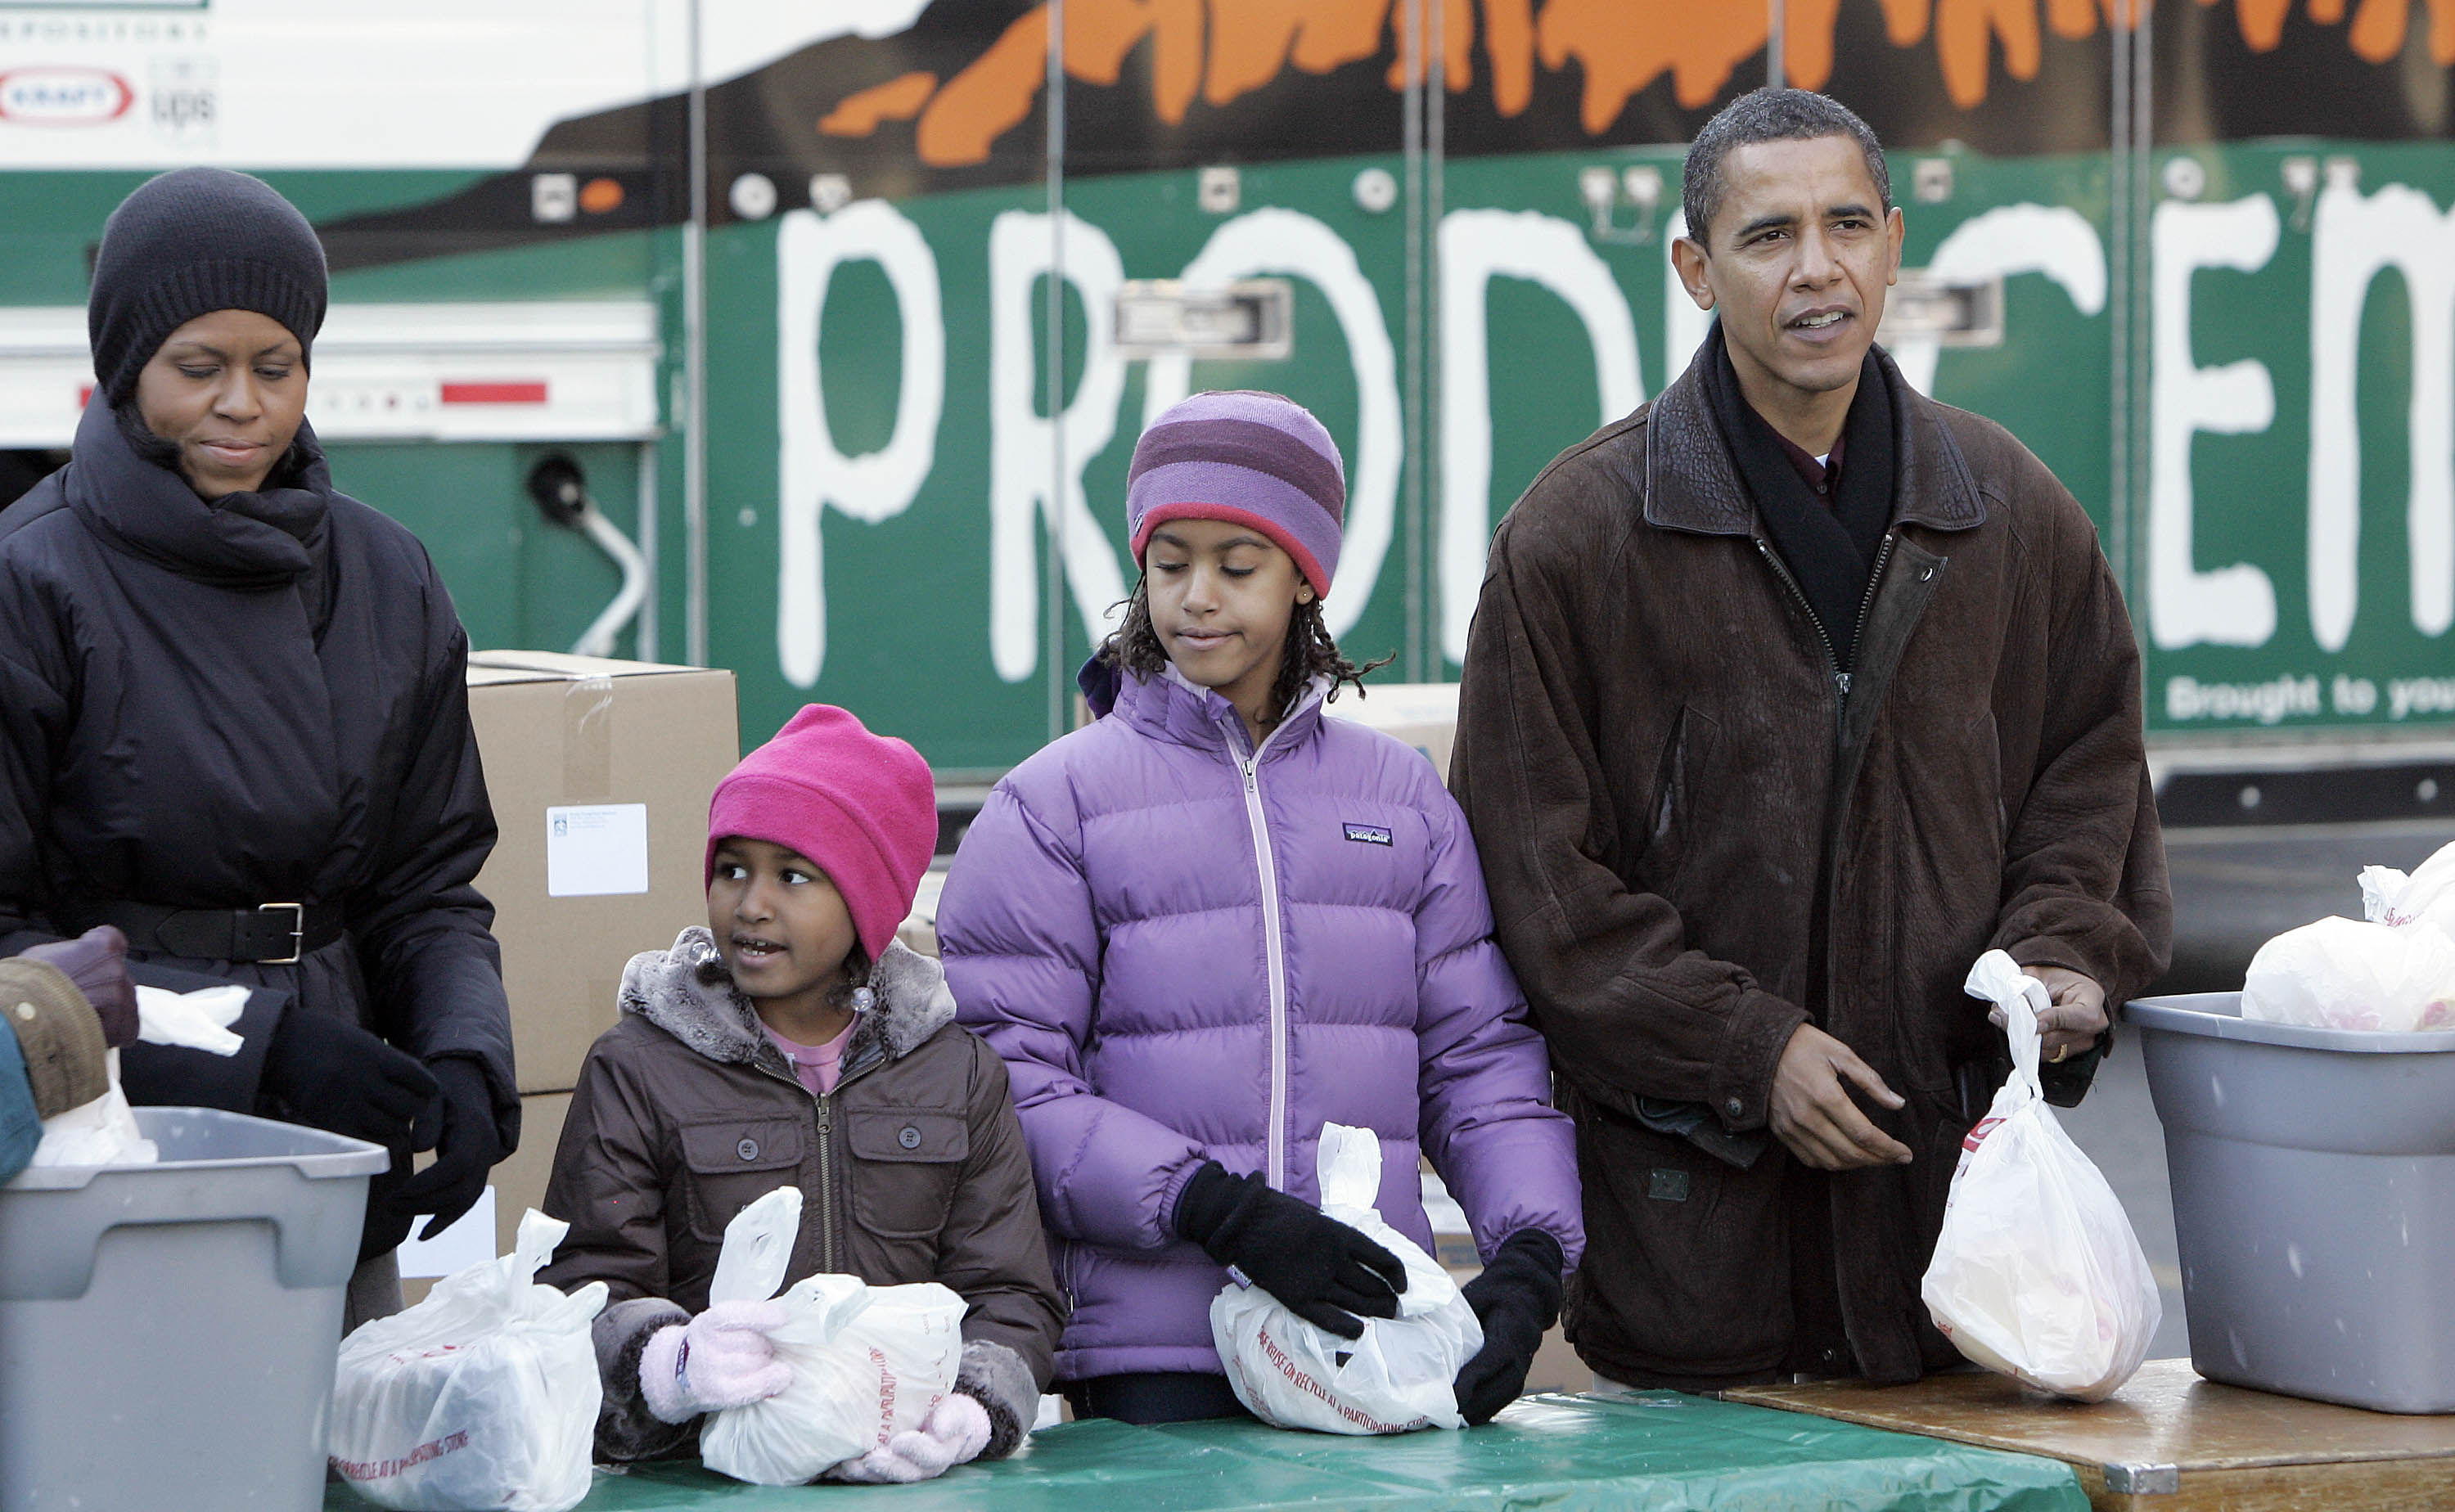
pixel 794 1042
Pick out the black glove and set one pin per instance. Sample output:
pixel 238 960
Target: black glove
pixel 1318 1268
pixel 1516 1298
pixel 327 1073
pixel 460 1127
pixel 97 962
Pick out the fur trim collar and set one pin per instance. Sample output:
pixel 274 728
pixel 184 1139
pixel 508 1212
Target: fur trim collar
pixel 688 994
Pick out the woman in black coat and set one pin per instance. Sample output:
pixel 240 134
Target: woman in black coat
pixel 232 721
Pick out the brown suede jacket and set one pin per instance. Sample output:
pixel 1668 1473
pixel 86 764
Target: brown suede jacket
pixel 1664 769
pixel 912 1170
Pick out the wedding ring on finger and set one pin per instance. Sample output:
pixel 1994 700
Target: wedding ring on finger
pixel 2057 1059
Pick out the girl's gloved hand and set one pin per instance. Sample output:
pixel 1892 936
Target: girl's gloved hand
pixel 1515 1299
pixel 720 1359
pixel 1321 1270
pixel 955 1433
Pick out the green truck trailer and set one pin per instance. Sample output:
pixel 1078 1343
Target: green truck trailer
pixel 843 317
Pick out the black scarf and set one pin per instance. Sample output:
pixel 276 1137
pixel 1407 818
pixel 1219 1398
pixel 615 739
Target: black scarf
pixel 124 483
pixel 1830 547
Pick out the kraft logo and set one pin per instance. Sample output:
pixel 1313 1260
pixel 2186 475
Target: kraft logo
pixel 63 96
pixel 1368 834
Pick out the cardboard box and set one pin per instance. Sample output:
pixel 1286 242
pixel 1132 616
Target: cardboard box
pixel 599 772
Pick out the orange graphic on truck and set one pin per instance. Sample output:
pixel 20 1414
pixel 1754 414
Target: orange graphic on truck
pixel 1220 50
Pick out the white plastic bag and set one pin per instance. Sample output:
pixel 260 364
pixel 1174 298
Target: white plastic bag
pixel 868 1361
pixel 484 1395
pixel 2393 970
pixel 1401 1376
pixel 2347 974
pixel 2036 1274
pixel 197 1020
pixel 103 1132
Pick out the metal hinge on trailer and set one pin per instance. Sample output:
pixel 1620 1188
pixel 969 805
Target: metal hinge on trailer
pixel 1251 318
pixel 1950 311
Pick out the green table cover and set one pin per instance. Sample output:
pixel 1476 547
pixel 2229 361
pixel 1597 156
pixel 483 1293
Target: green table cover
pixel 1649 1450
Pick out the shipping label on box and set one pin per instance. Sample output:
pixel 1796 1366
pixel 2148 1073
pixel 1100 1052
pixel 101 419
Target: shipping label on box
pixel 595 850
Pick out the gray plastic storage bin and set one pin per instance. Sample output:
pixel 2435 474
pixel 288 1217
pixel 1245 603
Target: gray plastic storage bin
pixel 2314 1198
pixel 168 1332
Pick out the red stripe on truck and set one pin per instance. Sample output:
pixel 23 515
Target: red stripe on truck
pixel 494 393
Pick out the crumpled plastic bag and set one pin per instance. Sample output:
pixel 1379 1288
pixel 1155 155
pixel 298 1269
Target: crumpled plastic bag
pixel 2393 970
pixel 2036 1274
pixel 1401 1376
pixel 483 1396
pixel 198 1021
pixel 103 1132
pixel 868 1361
pixel 2425 897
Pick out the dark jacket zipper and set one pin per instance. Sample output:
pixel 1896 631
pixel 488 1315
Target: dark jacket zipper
pixel 1867 603
pixel 1831 657
pixel 1840 712
pixel 1866 606
pixel 823 1108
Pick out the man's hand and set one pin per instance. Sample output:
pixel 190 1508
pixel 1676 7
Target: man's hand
pixel 1812 1113
pixel 2072 1025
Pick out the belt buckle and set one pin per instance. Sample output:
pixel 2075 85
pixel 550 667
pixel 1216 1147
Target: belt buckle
pixel 297 932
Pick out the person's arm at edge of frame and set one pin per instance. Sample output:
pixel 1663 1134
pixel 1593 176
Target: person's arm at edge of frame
pixel 21 1125
pixel 34 719
pixel 2086 905
pixel 1484 1082
pixel 425 932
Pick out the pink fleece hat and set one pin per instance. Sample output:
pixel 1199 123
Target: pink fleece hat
pixel 860 805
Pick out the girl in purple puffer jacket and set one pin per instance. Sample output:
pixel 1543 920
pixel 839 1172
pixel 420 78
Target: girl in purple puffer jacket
pixel 1214 920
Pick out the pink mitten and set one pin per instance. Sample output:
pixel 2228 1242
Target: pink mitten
pixel 720 1359
pixel 955 1433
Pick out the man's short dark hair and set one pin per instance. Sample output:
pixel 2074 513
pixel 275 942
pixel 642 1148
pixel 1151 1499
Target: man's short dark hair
pixel 1770 115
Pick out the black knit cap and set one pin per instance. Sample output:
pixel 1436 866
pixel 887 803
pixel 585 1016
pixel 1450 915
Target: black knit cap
pixel 187 244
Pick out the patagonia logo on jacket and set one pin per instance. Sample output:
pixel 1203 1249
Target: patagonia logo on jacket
pixel 1369 834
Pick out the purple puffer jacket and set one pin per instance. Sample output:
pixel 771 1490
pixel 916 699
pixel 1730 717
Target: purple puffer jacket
pixel 1186 952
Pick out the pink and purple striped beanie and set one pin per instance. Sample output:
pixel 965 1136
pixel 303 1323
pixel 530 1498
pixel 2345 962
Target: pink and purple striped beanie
pixel 1259 459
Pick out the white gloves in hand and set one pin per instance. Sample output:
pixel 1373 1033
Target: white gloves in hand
pixel 956 1431
pixel 720 1359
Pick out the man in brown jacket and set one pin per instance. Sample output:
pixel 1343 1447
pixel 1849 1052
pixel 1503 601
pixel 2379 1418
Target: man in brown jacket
pixel 1786 696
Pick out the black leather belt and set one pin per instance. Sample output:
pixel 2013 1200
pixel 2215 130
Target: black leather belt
pixel 274 933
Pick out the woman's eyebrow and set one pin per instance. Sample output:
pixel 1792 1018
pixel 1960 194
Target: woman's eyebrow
pixel 206 349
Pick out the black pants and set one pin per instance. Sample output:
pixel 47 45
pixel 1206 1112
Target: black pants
pixel 1154 1397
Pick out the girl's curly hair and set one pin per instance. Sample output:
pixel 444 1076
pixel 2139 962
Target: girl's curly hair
pixel 1134 647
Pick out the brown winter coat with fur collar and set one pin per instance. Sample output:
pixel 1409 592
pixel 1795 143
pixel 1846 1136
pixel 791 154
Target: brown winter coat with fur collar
pixel 1668 779
pixel 912 1170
